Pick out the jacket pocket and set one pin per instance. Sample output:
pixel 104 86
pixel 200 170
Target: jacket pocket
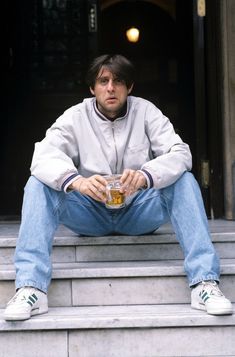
pixel 136 156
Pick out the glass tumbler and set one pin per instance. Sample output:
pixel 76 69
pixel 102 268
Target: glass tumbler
pixel 115 199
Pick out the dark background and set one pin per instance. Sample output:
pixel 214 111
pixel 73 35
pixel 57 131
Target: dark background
pixel 47 48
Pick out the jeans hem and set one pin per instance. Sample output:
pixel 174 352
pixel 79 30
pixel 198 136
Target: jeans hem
pixel 204 278
pixel 33 284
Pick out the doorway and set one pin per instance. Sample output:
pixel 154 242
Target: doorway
pixel 163 56
pixel 50 43
pixel 173 58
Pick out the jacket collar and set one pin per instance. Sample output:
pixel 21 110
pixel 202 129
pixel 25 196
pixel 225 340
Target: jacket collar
pixel 124 112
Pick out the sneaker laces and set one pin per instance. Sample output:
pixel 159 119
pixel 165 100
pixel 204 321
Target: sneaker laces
pixel 211 287
pixel 19 295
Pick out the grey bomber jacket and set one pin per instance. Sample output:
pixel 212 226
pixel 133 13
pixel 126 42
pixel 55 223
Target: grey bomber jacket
pixel 84 142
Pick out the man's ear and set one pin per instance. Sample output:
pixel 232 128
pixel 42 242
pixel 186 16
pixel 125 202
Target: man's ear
pixel 92 91
pixel 130 89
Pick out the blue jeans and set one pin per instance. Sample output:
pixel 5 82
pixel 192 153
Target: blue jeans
pixel 45 208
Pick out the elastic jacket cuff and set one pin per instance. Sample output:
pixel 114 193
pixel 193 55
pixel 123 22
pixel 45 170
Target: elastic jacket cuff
pixel 148 177
pixel 68 182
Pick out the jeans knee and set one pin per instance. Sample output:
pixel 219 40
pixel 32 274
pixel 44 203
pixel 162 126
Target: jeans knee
pixel 37 191
pixel 184 186
pixel 32 184
pixel 187 176
pixel 36 188
pixel 187 181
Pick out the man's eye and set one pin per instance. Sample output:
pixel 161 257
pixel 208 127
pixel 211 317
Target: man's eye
pixel 118 81
pixel 103 81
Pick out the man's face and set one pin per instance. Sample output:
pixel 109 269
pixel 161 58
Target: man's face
pixel 110 92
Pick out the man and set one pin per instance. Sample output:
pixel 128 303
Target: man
pixel 112 133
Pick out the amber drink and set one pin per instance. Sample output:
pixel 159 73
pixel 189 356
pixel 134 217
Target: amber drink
pixel 115 198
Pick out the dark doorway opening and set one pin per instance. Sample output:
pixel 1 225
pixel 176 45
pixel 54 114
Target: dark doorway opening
pixel 173 57
pixel 49 45
pixel 163 55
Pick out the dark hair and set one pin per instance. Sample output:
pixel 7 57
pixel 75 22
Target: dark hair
pixel 119 65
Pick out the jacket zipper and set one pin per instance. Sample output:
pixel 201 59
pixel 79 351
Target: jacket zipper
pixel 115 148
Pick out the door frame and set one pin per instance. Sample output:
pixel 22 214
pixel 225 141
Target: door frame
pixel 209 139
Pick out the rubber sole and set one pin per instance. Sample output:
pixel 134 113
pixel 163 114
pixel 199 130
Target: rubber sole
pixel 213 311
pixel 25 316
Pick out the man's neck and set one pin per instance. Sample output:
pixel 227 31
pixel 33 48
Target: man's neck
pixel 119 114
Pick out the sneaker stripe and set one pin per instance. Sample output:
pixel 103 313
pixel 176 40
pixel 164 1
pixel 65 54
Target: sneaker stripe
pixel 205 296
pixel 35 296
pixel 32 299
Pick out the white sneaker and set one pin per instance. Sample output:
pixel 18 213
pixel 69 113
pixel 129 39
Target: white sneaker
pixel 207 296
pixel 25 303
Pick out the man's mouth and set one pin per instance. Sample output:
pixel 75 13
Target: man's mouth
pixel 110 99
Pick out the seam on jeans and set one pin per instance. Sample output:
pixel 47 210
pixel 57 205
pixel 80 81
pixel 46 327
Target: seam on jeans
pixel 137 201
pixel 56 205
pixel 85 201
pixel 196 280
pixel 166 199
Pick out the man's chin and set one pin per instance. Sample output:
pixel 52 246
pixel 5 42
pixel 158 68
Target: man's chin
pixel 111 110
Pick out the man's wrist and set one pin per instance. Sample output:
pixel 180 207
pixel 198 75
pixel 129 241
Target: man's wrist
pixel 68 181
pixel 75 185
pixel 145 185
pixel 148 177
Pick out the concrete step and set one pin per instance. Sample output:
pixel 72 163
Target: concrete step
pixel 117 283
pixel 162 245
pixel 119 296
pixel 114 331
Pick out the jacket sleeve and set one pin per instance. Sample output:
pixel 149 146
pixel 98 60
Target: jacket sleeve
pixel 55 158
pixel 171 156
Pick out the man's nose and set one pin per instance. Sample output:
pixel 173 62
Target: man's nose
pixel 110 85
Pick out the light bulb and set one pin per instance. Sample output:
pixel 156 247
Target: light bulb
pixel 133 34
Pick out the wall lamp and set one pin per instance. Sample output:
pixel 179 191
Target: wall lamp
pixel 132 34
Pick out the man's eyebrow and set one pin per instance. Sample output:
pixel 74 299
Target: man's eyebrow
pixel 102 76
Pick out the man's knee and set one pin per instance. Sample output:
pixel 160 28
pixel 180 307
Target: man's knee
pixel 36 192
pixel 34 184
pixel 187 180
pixel 36 188
pixel 185 185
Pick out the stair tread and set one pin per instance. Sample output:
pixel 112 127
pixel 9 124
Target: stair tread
pixel 221 231
pixel 132 316
pixel 117 269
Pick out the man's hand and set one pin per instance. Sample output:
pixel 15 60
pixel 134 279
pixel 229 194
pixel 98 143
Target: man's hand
pixel 93 186
pixel 132 181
